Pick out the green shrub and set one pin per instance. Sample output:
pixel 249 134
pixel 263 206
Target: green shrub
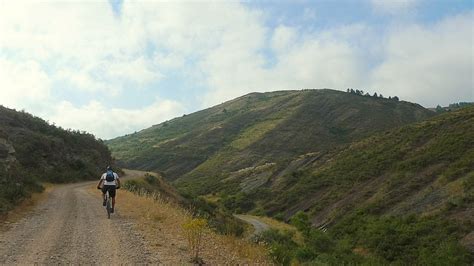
pixel 194 230
pixel 282 248
pixel 301 221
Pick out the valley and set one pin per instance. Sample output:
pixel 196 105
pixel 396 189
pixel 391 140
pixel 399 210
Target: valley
pixel 350 179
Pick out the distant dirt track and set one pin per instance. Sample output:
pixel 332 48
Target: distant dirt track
pixel 71 227
pixel 258 225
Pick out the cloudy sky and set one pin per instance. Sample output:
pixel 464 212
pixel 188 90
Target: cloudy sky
pixel 114 67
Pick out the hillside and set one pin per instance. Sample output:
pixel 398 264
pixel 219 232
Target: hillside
pixel 386 181
pixel 259 129
pixel 405 196
pixel 31 150
pixel 418 169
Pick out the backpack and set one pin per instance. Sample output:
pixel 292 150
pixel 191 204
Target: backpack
pixel 110 177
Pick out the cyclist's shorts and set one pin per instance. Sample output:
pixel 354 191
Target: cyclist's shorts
pixel 110 188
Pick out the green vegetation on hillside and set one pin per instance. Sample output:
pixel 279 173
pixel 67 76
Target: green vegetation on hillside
pixel 203 148
pixel 363 238
pixel 414 169
pixel 381 181
pixel 31 150
pixel 405 196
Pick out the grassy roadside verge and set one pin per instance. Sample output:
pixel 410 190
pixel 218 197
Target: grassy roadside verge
pixel 22 209
pixel 161 222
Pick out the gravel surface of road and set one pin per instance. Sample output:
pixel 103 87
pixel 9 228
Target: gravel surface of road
pixel 71 227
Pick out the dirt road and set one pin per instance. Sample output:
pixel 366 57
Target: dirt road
pixel 258 225
pixel 71 227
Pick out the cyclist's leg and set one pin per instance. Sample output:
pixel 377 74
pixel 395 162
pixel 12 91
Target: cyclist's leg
pixel 104 190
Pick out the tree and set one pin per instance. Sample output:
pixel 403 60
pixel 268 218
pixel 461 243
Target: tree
pixel 376 95
pixel 395 98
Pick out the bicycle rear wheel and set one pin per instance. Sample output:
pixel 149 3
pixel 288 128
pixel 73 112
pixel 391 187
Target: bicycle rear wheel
pixel 108 205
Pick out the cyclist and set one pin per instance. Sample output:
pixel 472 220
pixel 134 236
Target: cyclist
pixel 110 182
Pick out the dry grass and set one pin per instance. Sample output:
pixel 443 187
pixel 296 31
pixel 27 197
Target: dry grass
pixel 26 206
pixel 161 222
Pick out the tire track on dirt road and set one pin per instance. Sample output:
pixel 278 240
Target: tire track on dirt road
pixel 71 227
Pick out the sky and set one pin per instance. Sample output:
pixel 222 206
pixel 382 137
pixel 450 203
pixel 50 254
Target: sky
pixel 115 67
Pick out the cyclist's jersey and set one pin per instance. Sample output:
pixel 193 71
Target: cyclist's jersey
pixel 107 183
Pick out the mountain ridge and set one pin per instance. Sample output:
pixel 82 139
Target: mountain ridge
pixel 240 122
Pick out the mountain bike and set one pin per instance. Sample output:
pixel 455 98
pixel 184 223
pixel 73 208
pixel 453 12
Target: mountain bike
pixel 108 204
pixel 108 201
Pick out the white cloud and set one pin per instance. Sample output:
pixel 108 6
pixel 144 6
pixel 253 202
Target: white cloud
pixel 223 47
pixel 107 122
pixel 74 31
pixel 75 40
pixel 283 38
pixel 138 70
pixel 170 60
pixel 431 65
pixel 82 80
pixel 322 60
pixel 22 83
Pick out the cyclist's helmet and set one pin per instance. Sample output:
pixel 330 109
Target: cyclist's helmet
pixel 109 168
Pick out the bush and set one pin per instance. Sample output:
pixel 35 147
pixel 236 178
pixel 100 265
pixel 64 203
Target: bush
pixel 220 221
pixel 301 221
pixel 282 248
pixel 240 203
pixel 194 230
